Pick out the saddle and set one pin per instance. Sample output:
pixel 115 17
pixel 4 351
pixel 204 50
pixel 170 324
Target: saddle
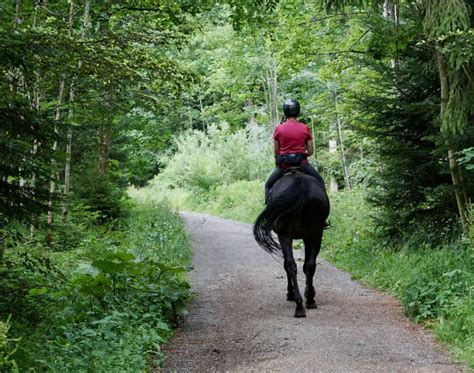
pixel 292 170
pixel 290 160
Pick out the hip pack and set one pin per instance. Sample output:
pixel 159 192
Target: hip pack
pixel 290 159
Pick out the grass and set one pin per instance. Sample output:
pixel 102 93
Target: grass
pixel 434 284
pixel 241 200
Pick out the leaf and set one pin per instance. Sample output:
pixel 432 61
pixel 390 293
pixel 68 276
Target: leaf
pixel 180 309
pixel 37 291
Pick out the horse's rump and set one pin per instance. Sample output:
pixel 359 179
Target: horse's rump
pixel 297 207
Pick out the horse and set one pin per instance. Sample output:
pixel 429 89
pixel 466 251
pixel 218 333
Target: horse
pixel 296 209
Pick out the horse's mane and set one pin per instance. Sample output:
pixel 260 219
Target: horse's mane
pixel 287 206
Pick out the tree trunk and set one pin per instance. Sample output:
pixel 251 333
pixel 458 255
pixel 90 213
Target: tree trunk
pixel 333 187
pixel 104 150
pixel 456 175
pixel 52 185
pixel 270 87
pixel 35 104
pixel 314 142
pixel 345 168
pixel 273 91
pixel 67 167
pixel 16 18
pixel 33 185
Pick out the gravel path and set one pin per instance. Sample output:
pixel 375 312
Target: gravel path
pixel 241 321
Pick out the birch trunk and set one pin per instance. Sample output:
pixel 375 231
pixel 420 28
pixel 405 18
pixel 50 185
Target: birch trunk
pixel 104 150
pixel 270 87
pixel 67 167
pixel 52 186
pixel 333 186
pixel 345 168
pixel 35 104
pixel 455 170
pixel 57 118
pixel 314 145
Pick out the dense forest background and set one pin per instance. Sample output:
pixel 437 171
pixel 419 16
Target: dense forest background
pixel 114 112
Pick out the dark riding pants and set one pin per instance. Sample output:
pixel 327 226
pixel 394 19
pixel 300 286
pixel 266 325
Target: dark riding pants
pixel 278 172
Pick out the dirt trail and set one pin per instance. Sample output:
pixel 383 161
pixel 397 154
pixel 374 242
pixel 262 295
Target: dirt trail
pixel 241 321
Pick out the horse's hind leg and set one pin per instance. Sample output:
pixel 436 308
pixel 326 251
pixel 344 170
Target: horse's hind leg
pixel 286 244
pixel 312 246
pixel 290 295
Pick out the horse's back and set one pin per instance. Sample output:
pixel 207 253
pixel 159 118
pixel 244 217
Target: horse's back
pixel 316 191
pixel 308 200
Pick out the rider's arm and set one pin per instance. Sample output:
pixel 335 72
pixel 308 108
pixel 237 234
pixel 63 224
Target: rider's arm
pixel 309 147
pixel 276 147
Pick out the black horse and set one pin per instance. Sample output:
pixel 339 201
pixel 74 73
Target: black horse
pixel 297 208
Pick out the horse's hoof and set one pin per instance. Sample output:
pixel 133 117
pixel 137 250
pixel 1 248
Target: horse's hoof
pixel 290 297
pixel 310 305
pixel 300 313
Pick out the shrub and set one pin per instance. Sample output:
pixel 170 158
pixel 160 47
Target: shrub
pixel 204 160
pixel 7 348
pixel 106 304
pixel 435 284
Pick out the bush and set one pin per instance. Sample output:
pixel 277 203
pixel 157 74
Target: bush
pixel 7 348
pixel 108 303
pixel 435 284
pixel 242 200
pixel 204 160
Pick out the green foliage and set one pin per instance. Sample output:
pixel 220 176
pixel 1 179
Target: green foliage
pixel 204 160
pixel 71 72
pixel 467 158
pixel 26 137
pixel 7 348
pixel 106 303
pixel 413 185
pixel 434 284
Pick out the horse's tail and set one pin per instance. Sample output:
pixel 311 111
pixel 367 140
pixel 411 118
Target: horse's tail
pixel 287 207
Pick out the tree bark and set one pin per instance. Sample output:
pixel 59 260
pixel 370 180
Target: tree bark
pixel 455 169
pixel 52 185
pixel 345 168
pixel 270 87
pixel 67 167
pixel 333 186
pixel 104 150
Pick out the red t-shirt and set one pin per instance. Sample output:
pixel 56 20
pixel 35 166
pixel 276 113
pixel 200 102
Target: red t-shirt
pixel 292 136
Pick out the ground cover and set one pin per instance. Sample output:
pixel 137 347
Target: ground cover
pixel 103 304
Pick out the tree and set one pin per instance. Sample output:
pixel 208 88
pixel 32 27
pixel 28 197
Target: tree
pixel 448 26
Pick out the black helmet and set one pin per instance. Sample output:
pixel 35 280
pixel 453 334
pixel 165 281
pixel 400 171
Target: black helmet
pixel 291 108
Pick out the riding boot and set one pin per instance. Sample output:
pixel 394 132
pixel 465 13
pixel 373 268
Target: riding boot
pixel 267 194
pixel 275 175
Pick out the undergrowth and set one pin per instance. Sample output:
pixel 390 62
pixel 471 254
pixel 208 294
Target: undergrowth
pixel 103 304
pixel 241 200
pixel 434 284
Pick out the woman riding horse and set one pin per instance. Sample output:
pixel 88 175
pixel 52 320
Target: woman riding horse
pixel 293 144
pixel 297 207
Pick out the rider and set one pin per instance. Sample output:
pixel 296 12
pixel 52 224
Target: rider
pixel 293 143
